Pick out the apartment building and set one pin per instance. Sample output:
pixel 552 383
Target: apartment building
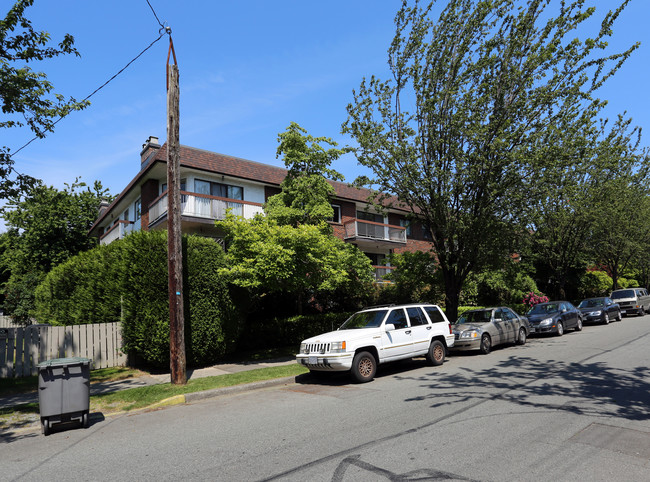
pixel 212 184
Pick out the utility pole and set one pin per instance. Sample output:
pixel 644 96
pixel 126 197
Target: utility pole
pixel 174 240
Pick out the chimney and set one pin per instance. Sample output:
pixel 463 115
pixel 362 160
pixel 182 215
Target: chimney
pixel 149 148
pixel 103 207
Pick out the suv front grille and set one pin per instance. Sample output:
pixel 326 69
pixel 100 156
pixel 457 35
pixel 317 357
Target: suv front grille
pixel 320 348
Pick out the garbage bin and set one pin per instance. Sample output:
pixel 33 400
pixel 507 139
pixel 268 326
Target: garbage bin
pixel 64 391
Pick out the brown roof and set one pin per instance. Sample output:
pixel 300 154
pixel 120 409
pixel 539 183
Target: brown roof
pixel 203 160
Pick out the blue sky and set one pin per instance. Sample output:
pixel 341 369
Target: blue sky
pixel 247 69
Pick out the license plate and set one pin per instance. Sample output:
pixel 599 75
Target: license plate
pixel 622 312
pixel 313 360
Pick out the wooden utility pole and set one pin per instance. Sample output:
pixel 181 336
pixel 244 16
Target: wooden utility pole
pixel 174 240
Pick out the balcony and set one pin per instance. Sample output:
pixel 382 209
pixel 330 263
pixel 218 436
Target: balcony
pixel 380 272
pixel 117 231
pixel 202 206
pixel 371 233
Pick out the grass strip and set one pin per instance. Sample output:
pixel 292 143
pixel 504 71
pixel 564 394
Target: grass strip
pixel 134 398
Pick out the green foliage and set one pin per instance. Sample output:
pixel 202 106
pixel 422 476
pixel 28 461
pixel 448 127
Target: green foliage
pixel 127 280
pixel 25 94
pixel 415 278
pixel 45 227
pixel 594 284
pixel 460 132
pixel 278 332
pixel 265 257
pixel 305 196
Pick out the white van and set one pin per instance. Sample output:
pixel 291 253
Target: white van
pixel 632 300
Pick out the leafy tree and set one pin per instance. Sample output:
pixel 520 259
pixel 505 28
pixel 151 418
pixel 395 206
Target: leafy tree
pixel 305 196
pixel 267 258
pixel 45 227
pixel 415 278
pixel 459 128
pixel 621 234
pixel 25 94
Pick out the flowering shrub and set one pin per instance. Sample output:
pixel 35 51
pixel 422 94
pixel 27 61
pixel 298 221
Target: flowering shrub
pixel 532 299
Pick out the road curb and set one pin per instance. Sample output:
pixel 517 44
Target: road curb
pixel 216 392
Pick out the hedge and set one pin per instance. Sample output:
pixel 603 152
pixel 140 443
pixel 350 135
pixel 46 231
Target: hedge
pixel 127 280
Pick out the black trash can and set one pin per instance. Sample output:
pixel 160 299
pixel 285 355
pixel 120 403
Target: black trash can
pixel 64 391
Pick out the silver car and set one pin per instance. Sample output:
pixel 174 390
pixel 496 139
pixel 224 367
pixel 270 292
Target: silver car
pixel 487 327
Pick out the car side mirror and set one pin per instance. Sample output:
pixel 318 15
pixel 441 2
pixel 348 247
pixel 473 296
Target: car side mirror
pixel 389 327
pixel 564 310
pixel 498 319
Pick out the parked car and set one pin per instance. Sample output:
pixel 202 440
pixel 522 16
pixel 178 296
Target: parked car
pixel 487 327
pixel 632 300
pixel 379 335
pixel 600 310
pixel 554 317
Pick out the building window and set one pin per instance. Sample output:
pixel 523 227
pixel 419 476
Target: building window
pixel 426 232
pixel 163 186
pixel 218 189
pixel 126 214
pixel 138 209
pixel 336 218
pixel 366 216
pixel 405 223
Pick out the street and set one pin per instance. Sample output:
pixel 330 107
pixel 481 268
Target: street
pixel 575 407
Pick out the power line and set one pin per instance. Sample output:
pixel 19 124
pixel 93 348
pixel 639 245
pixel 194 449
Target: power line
pixel 94 91
pixel 163 30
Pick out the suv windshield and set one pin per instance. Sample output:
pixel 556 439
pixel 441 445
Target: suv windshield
pixel 542 309
pixel 591 303
pixel 364 319
pixel 475 317
pixel 616 295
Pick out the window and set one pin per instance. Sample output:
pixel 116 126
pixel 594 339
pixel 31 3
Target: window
pixel 138 209
pixel 377 259
pixel 406 224
pixel 218 189
pixel 126 214
pixel 398 318
pixel 366 216
pixel 434 314
pixel 163 186
pixel 426 232
pixel 336 218
pixel 416 316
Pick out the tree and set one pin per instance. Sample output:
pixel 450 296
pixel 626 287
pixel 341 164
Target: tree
pixel 45 227
pixel 25 94
pixel 265 258
pixel 483 84
pixel 305 196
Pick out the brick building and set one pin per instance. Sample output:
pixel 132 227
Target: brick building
pixel 212 183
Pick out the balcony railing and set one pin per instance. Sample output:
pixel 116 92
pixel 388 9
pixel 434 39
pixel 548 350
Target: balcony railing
pixel 374 231
pixel 117 231
pixel 204 206
pixel 380 272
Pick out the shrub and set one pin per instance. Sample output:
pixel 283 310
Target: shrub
pixel 595 283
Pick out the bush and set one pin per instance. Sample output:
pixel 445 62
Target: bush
pixel 127 280
pixel 595 283
pixel 280 332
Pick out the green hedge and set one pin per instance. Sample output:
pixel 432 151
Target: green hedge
pixel 127 280
pixel 279 332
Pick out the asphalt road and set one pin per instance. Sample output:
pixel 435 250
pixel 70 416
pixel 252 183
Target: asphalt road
pixel 573 408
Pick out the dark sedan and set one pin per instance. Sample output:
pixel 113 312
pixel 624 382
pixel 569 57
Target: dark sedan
pixel 600 310
pixel 554 317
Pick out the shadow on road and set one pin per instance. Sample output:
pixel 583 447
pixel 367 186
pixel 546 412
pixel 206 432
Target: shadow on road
pixel 583 388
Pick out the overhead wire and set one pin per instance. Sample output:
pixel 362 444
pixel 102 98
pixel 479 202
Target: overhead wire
pixel 162 31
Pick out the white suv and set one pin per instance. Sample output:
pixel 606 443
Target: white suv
pixel 378 335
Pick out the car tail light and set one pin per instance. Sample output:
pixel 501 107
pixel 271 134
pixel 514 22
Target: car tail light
pixel 450 332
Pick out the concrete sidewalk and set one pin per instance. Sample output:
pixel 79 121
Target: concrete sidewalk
pixel 108 387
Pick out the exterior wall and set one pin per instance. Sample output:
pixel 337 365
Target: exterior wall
pixel 148 192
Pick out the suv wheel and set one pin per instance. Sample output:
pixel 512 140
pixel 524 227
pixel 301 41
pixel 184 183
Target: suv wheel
pixel 436 354
pixel 364 367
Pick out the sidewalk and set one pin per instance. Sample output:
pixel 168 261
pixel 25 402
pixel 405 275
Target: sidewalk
pixel 108 387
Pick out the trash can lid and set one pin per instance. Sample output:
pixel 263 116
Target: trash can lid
pixel 65 362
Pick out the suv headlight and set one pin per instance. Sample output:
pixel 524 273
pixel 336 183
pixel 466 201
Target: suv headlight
pixel 337 347
pixel 469 334
pixel 303 348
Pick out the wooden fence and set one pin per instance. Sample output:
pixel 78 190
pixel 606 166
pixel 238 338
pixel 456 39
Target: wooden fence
pixel 23 348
